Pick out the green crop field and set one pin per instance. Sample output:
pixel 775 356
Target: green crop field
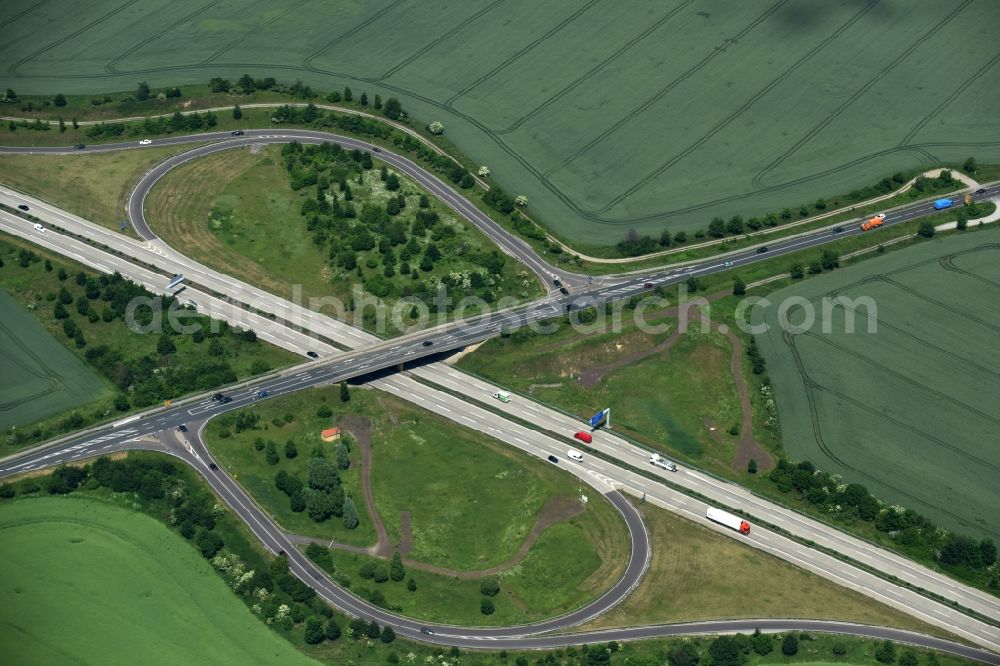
pixel 909 410
pixel 89 583
pixel 677 111
pixel 41 377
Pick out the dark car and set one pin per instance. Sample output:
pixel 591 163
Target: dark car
pixel 226 400
pixel 238 132
pixel 981 190
pixel 553 459
pixel 563 290
pixel 182 428
pixel 647 285
pixel 838 230
pixel 217 397
pixel 262 393
pixel 376 149
pixel 762 250
pixel 426 631
pixel 312 354
pixel 282 553
pixel 23 206
pixel 213 466
pixel 427 343
pixel 79 146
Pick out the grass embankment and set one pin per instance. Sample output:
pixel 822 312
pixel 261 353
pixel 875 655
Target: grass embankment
pixel 95 187
pixel 696 574
pixel 470 504
pixel 112 584
pixel 42 378
pixel 86 312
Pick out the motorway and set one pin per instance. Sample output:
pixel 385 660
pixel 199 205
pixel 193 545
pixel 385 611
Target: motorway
pixel 388 354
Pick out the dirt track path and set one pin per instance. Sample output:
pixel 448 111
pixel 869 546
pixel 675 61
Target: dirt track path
pixel 361 429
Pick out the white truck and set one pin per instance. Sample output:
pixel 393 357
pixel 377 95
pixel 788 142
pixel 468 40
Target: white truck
pixel 729 520
pixel 660 461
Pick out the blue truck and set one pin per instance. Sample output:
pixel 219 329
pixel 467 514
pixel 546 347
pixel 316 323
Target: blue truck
pixel 943 203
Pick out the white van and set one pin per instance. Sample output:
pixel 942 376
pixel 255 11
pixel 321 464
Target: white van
pixel 660 461
pixel 501 396
pixel 40 228
pixel 573 454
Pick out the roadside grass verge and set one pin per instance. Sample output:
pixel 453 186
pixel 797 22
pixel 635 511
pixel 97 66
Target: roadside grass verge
pixel 94 186
pixel 697 574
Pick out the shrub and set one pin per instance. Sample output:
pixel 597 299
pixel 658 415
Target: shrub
pixel 490 587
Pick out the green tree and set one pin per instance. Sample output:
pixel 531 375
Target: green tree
pixel 290 449
pixel 62 125
pixel 761 643
pixel 142 91
pixel 725 651
pixel 237 112
pixel 411 585
pixel 829 260
pixel 392 108
pixel 908 658
pixel 396 570
pixel 683 654
pixel 796 271
pixel 378 102
pixel 486 606
pixel 332 630
pixel 350 514
pixel 209 543
pixel 886 652
pixel 59 100
pixel 314 632
pixel 64 296
pixel 490 587
pixel 717 227
pixel 324 412
pixel 82 305
pixel 752 466
pixel 739 287
pixel 665 238
pixel 78 338
pixel 320 505
pixel 62 274
pixel 165 345
pixel 969 166
pixel 388 635
pixel 345 392
pixel 373 631
pixel 735 225
pixel 322 475
pixel 364 99
pixel 271 453
pixel 790 645
pixel 926 229
pixel 121 403
pixel 59 311
pixel 348 95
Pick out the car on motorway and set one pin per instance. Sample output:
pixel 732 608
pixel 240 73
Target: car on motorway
pixel 563 290
pixel 981 190
pixel 217 397
pixel 553 459
pixel 226 400
pixel 79 146
pixel 838 230
pixel 647 285
pixel 376 149
pixel 22 206
pixel 238 132
pixel 573 454
pixel 182 428
pixel 584 437
pixel 262 393
pixel 190 303
pixel 145 142
pixel 762 249
pixel 728 264
pixel 427 343
pixel 426 631
pixel 502 396
pixel 660 461
pixel 39 228
pixel 312 354
pixel 213 466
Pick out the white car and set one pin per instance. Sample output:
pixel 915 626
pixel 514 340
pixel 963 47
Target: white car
pixel 573 454
pixel 40 228
pixel 145 142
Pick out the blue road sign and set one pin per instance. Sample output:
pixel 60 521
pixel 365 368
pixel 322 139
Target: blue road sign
pixel 597 418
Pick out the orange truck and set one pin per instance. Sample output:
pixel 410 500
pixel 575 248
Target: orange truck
pixel 873 222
